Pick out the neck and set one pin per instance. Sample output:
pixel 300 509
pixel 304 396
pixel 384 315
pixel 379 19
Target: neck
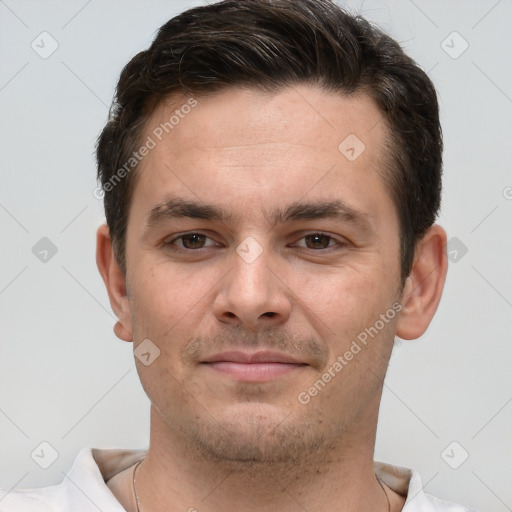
pixel 338 476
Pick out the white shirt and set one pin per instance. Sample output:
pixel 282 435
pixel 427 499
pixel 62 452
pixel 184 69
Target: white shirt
pixel 84 489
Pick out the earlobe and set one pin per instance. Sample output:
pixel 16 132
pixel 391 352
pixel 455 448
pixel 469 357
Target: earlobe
pixel 115 282
pixel 121 332
pixel 424 286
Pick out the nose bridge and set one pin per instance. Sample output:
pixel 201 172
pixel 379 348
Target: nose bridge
pixel 251 294
pixel 250 272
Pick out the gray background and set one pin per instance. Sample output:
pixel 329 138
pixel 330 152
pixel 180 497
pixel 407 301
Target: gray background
pixel 66 380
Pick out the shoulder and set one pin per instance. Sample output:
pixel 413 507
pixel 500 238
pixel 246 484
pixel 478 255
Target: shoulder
pixel 31 500
pixel 407 482
pixel 431 503
pixel 82 490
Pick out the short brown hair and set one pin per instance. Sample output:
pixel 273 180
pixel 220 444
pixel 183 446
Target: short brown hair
pixel 271 44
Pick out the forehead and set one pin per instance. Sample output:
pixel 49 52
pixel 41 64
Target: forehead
pixel 296 116
pixel 258 146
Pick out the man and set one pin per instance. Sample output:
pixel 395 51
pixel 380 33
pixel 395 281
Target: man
pixel 272 175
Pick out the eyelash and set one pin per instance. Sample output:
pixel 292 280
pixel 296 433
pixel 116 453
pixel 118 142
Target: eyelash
pixel 171 243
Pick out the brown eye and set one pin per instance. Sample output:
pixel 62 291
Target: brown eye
pixel 317 241
pixel 190 242
pixel 193 241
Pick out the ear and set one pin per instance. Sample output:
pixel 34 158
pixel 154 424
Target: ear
pixel 424 286
pixel 115 281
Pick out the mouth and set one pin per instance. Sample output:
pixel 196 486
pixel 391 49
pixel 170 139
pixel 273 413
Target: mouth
pixel 253 367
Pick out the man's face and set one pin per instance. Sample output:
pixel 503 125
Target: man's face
pixel 269 250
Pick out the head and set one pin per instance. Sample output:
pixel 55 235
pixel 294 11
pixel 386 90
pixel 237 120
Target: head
pixel 272 174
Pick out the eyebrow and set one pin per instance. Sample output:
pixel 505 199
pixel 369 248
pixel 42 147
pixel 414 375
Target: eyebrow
pixel 174 208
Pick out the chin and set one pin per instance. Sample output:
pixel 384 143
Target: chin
pixel 255 433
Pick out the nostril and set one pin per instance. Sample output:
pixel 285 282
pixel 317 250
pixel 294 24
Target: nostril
pixel 269 314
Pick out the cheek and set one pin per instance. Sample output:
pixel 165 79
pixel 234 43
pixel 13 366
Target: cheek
pixel 163 303
pixel 164 310
pixel 163 292
pixel 345 303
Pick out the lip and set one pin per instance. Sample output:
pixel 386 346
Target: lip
pixel 253 367
pixel 266 356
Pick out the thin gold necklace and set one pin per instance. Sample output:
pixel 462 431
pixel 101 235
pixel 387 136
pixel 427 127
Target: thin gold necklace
pixel 133 485
pixel 137 501
pixel 383 490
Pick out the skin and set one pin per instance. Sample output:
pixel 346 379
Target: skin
pixel 218 442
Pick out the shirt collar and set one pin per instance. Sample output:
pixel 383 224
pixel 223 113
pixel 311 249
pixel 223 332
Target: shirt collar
pixel 85 482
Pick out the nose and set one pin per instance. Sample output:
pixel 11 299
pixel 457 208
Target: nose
pixel 253 295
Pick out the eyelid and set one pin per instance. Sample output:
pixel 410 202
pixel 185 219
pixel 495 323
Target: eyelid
pixel 339 241
pixel 171 239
